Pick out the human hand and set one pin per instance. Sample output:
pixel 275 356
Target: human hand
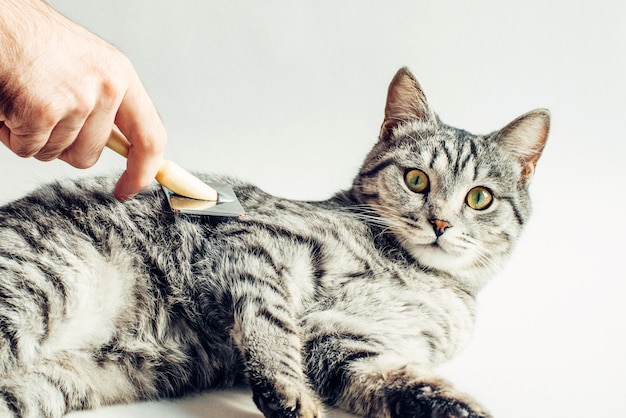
pixel 62 89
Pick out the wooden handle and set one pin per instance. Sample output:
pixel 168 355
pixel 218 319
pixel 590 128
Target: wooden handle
pixel 170 175
pixel 118 142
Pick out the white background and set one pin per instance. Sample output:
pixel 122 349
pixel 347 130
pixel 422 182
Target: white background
pixel 290 95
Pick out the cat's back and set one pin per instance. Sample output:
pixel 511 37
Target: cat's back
pixel 85 212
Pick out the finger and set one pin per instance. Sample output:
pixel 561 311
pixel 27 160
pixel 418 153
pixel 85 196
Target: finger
pixel 24 144
pixel 61 138
pixel 88 144
pixel 139 121
pixel 4 134
pixel 27 128
pixel 76 115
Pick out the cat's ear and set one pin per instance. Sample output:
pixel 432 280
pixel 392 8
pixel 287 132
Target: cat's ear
pixel 525 139
pixel 405 102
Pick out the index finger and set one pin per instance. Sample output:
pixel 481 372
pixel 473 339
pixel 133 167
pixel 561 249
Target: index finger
pixel 138 119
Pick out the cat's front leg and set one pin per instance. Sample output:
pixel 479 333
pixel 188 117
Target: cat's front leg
pixel 404 393
pixel 269 341
pixel 355 374
pixel 415 397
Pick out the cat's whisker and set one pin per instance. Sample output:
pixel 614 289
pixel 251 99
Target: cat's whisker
pixel 380 217
pixel 481 256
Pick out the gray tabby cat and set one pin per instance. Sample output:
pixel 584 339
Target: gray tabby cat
pixel 351 302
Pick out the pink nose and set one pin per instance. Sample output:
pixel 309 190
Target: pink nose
pixel 440 226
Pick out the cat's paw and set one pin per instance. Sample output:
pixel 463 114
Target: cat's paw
pixel 286 401
pixel 426 401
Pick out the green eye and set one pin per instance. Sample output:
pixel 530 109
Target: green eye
pixel 479 198
pixel 417 181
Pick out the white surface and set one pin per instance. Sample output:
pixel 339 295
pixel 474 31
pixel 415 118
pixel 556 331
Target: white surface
pixel 290 95
pixel 235 403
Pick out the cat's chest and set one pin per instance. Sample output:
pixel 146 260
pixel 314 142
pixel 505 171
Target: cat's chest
pixel 339 277
pixel 407 310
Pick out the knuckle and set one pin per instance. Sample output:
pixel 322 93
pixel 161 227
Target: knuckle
pixel 81 107
pixel 110 89
pixel 157 139
pixel 114 83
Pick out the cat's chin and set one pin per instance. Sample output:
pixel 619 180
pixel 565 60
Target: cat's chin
pixel 462 266
pixel 437 256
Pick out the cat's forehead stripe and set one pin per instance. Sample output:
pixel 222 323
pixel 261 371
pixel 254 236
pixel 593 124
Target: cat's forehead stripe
pixel 447 154
pixel 378 167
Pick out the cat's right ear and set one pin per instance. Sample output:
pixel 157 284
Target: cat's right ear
pixel 525 138
pixel 405 102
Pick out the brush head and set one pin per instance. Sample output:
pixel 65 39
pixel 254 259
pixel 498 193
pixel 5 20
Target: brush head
pixel 226 205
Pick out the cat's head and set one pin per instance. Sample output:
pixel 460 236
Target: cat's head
pixel 455 201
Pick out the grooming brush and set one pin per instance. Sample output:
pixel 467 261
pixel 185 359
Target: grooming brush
pixel 186 193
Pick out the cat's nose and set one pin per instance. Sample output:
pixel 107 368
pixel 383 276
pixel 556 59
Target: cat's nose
pixel 440 226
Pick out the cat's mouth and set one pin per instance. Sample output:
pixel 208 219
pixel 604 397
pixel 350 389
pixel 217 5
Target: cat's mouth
pixel 433 247
pixel 442 247
pixel 428 243
pixel 435 244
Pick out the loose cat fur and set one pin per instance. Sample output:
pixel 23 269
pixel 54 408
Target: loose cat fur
pixel 351 302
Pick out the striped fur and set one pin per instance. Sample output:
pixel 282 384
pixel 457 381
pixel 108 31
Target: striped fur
pixel 351 302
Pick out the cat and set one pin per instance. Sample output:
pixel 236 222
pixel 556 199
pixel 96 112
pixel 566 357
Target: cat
pixel 350 302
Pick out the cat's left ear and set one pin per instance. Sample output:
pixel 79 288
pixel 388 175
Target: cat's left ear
pixel 525 139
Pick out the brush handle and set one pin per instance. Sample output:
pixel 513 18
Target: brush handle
pixel 170 174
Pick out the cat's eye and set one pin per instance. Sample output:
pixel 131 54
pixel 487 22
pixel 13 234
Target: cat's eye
pixel 417 181
pixel 479 198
